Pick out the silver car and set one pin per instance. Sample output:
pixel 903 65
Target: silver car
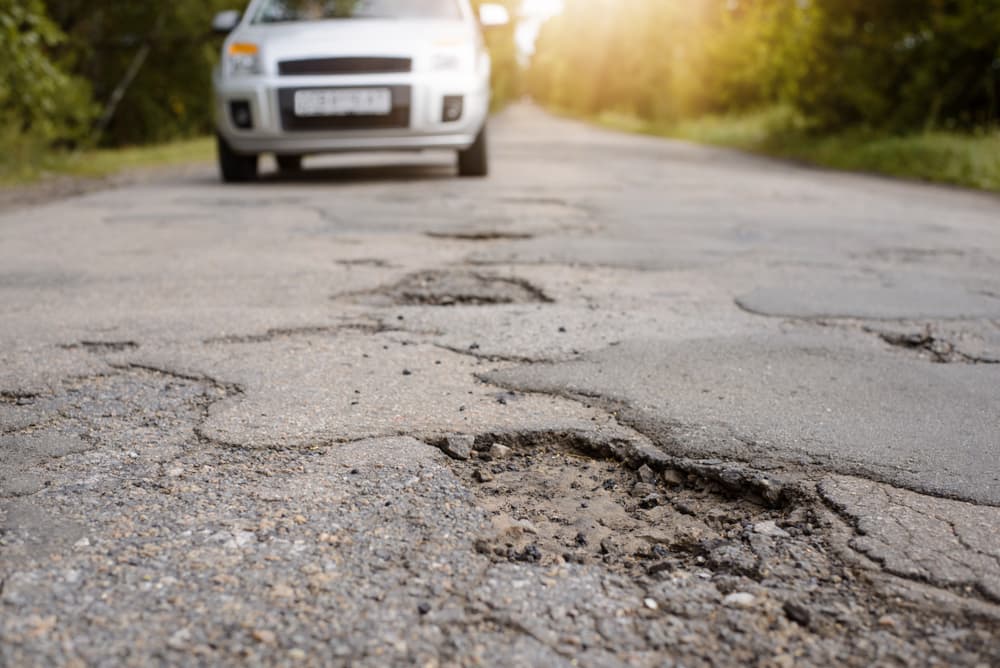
pixel 303 77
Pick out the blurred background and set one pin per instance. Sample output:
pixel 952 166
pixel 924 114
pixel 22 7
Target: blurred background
pixel 909 87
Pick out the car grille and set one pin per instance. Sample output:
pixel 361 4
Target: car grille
pixel 399 117
pixel 314 66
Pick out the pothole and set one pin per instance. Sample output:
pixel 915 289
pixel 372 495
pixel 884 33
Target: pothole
pixel 697 546
pixel 558 497
pixel 459 288
pixel 480 235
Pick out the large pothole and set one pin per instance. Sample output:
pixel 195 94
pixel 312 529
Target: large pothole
pixel 702 549
pixel 459 287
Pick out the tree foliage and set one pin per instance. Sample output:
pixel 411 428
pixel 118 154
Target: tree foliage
pixel 886 64
pixel 37 96
pixel 169 97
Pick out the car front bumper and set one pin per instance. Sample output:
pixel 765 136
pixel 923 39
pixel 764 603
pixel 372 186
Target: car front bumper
pixel 423 128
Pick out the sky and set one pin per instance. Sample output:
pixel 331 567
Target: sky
pixel 533 14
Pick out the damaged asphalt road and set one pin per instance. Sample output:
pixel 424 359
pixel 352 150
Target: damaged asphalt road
pixel 627 402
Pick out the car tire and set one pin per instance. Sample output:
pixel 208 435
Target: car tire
pixel 235 167
pixel 289 164
pixel 474 161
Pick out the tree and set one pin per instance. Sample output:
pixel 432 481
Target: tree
pixel 170 94
pixel 37 97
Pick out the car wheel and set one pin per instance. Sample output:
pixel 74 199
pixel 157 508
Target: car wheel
pixel 235 167
pixel 474 161
pixel 289 163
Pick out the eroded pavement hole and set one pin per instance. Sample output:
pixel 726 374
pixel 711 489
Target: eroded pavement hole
pixel 699 549
pixel 558 497
pixel 459 287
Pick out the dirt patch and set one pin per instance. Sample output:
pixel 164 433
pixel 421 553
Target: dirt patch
pixel 460 287
pixel 557 499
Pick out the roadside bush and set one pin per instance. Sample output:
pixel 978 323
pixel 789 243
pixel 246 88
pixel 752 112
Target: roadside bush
pixel 888 65
pixel 896 64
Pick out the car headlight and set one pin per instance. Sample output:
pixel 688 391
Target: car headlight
pixel 242 59
pixel 454 58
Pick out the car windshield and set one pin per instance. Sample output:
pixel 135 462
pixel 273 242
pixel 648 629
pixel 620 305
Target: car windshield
pixel 282 11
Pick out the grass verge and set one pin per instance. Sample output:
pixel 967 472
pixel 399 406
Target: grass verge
pixel 22 161
pixel 969 160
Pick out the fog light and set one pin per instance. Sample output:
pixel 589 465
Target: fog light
pixel 451 110
pixel 239 111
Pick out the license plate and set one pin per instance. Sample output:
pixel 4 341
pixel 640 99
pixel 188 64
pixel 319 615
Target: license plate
pixel 343 102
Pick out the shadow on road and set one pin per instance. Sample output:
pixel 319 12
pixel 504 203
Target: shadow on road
pixel 354 174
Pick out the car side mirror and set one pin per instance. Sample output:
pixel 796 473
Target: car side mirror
pixel 225 22
pixel 492 15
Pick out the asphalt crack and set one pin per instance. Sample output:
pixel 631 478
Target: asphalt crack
pixel 481 235
pixel 294 332
pixel 927 344
pixel 102 347
pixel 914 566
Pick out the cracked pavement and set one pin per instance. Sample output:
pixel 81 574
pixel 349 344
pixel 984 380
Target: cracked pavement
pixel 701 409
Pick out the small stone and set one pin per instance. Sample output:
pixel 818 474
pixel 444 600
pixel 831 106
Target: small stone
pixel 641 490
pixel 424 608
pixel 650 502
pixel 646 474
pixel 264 636
pixel 82 543
pixel 770 528
pixel 459 447
pixel 282 591
pixel 887 622
pixel 407 372
pixel 672 477
pixel 499 451
pixel 180 639
pixel 482 475
pixel 530 554
pixel 527 527
pixel 297 654
pixel 740 599
pixel 684 508
pixel 797 612
pixel 651 604
pixel 783 661
pixel 175 471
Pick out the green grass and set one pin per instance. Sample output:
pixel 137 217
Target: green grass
pixel 969 160
pixel 24 161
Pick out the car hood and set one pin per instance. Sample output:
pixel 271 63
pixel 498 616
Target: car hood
pixel 355 37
